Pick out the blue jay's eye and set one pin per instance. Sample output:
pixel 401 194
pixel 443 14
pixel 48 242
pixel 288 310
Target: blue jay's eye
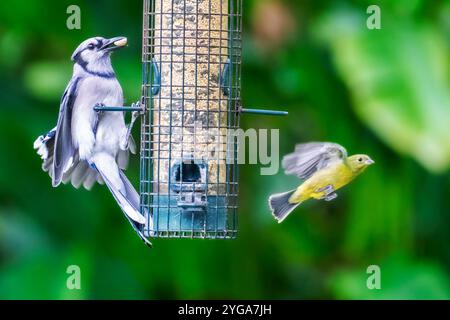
pixel 91 46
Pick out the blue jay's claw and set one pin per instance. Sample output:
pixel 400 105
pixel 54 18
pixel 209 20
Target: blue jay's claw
pixel 97 117
pixel 99 105
pixel 134 115
pixel 137 105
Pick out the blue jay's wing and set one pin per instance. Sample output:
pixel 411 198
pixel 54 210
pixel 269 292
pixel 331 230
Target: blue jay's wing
pixel 79 173
pixel 308 158
pixel 64 150
pixel 122 190
pixel 44 146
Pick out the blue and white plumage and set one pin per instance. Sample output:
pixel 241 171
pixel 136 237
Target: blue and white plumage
pixel 87 147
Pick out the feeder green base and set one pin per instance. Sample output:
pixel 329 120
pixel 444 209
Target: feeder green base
pixel 216 220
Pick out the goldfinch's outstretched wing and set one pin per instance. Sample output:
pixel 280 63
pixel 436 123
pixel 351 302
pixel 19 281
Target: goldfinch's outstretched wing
pixel 311 157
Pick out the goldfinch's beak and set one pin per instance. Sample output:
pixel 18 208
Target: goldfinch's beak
pixel 114 44
pixel 369 162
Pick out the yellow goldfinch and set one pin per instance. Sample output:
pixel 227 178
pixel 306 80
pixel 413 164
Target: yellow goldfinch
pixel 324 167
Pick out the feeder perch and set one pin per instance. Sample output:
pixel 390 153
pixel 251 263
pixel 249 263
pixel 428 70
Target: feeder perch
pixel 191 82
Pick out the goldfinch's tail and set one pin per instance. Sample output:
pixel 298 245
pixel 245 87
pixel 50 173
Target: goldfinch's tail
pixel 280 205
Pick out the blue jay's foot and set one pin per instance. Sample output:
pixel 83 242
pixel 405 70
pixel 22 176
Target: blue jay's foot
pixel 97 117
pixel 134 114
pixel 126 139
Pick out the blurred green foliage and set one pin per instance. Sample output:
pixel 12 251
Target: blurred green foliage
pixel 382 92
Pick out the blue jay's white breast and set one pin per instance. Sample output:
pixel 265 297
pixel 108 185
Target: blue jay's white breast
pixel 111 125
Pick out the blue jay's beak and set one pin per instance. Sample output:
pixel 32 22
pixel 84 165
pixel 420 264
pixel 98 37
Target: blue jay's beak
pixel 114 44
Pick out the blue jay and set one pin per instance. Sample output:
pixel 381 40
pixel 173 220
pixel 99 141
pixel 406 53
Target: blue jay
pixel 86 146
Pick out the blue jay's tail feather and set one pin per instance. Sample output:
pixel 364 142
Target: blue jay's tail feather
pixel 110 172
pixel 280 205
pixel 122 190
pixel 81 173
pixel 135 201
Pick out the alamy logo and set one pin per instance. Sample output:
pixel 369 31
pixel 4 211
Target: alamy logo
pixel 74 20
pixel 374 280
pixel 374 20
pixel 74 279
pixel 229 146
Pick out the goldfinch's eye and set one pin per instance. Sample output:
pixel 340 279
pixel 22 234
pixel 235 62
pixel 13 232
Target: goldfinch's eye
pixel 360 159
pixel 91 46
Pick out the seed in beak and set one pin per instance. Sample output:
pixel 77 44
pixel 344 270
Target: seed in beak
pixel 120 43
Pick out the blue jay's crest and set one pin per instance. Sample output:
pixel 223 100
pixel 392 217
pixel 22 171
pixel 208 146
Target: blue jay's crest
pixel 86 147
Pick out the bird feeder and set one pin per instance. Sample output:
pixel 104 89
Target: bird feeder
pixel 190 92
pixel 191 82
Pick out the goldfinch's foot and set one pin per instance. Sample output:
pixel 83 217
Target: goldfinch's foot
pixel 330 197
pixel 329 189
pixel 328 193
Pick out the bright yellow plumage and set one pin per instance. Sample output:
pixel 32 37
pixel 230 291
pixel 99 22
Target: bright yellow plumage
pixel 337 175
pixel 324 167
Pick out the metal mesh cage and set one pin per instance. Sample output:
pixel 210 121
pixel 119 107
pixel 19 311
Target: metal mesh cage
pixel 190 93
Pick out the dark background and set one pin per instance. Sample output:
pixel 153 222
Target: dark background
pixel 381 92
